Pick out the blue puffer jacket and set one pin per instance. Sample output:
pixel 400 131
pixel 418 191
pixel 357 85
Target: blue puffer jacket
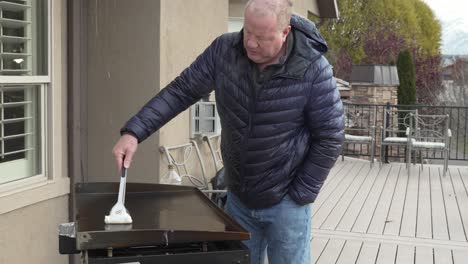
pixel 280 140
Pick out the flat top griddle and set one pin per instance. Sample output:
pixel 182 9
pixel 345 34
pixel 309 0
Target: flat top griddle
pixel 162 215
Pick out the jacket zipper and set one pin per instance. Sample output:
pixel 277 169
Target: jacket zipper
pixel 248 134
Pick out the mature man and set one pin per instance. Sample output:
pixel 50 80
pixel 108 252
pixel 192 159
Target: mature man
pixel 282 124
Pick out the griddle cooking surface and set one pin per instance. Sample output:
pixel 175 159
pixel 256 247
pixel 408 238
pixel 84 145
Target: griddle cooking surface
pixel 161 214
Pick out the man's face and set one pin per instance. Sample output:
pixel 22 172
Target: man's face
pixel 262 38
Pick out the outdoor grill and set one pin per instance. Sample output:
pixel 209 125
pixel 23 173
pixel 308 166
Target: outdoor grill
pixel 171 224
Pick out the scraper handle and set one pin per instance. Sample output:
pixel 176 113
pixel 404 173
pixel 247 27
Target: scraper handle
pixel 124 172
pixel 123 184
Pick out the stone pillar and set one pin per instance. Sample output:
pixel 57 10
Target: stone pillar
pixel 363 93
pixel 373 94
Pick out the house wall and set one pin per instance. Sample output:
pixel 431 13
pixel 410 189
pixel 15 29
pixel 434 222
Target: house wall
pixel 184 36
pixel 134 51
pixel 123 74
pixel 32 209
pixel 303 7
pixel 30 234
pixel 236 8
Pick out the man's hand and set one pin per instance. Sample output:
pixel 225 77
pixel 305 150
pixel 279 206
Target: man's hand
pixel 125 148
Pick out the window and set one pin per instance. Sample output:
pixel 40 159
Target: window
pixel 205 119
pixel 235 24
pixel 24 83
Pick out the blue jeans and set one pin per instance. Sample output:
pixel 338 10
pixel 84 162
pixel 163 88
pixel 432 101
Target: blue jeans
pixel 283 230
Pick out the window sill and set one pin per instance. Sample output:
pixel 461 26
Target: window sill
pixel 30 191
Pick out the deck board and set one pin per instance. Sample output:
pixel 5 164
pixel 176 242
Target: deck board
pixel 395 213
pixel 389 215
pixel 387 253
pixel 331 184
pixel 379 218
pixel 349 218
pixel 317 246
pixel 331 202
pixel 367 212
pixel 410 210
pixel 439 219
pixel 350 252
pixel 464 171
pixel 337 168
pixel 461 197
pixel 455 225
pixel 424 222
pixel 460 256
pixel 424 255
pixel 368 253
pixel 332 251
pixel 405 254
pixel 343 204
pixel 443 256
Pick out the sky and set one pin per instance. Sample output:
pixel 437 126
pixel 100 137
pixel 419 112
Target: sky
pixel 453 15
pixel 449 10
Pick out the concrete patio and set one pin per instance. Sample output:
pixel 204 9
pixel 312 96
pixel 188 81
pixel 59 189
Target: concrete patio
pixel 382 215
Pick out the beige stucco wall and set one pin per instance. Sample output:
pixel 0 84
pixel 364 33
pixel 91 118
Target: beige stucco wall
pixel 187 28
pixel 133 52
pixel 236 8
pixel 123 74
pixel 302 7
pixel 30 235
pixel 32 209
pixel 185 33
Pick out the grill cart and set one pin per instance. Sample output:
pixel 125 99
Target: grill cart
pixel 171 224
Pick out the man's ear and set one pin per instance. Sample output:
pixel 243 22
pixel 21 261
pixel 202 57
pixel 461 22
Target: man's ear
pixel 286 31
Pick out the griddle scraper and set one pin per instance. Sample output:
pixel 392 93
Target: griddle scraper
pixel 119 214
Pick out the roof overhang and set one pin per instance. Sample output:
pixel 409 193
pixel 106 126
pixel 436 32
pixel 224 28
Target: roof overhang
pixel 328 8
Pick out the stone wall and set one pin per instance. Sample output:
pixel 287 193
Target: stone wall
pixel 371 94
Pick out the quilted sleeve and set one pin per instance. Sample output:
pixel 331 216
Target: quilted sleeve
pixel 189 87
pixel 325 121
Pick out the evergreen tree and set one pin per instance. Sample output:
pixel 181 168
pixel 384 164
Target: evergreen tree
pixel 407 77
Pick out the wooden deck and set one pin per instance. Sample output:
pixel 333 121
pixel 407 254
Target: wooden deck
pixel 383 215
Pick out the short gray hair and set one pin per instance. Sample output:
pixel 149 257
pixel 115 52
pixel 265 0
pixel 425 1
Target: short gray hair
pixel 282 9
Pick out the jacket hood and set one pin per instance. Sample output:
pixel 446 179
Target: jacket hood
pixel 309 30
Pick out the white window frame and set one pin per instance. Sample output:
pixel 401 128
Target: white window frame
pixel 200 117
pixel 235 24
pixel 44 84
pixel 197 116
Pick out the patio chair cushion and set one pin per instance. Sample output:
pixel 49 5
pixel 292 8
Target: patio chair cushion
pixel 396 139
pixel 358 138
pixel 421 144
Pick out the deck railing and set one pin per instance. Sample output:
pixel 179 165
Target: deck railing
pixel 458 125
